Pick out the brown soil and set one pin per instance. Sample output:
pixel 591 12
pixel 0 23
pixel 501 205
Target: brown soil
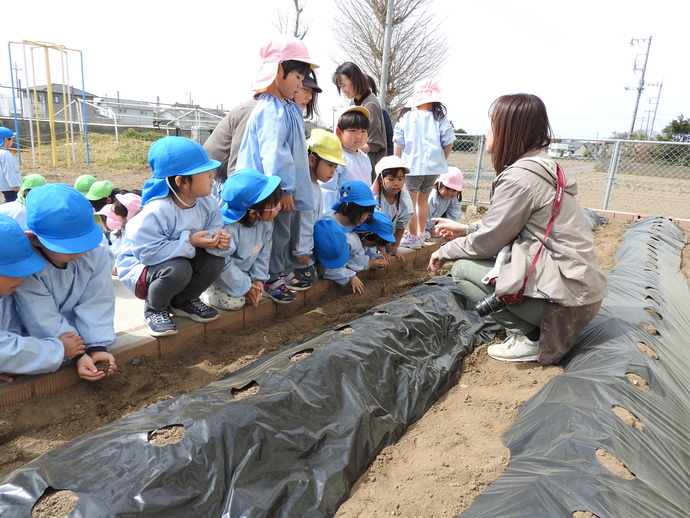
pixel 436 469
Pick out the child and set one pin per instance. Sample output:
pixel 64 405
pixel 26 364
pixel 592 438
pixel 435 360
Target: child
pixel 125 206
pixel 100 194
pixel 25 354
pixel 375 235
pixel 424 139
pixel 252 201
pixel 325 154
pixel 74 292
pixel 274 145
pixel 175 247
pixel 83 183
pixel 352 128
pixel 393 200
pixel 307 95
pixel 17 209
pixel 10 178
pixel 445 200
pixel 330 244
pixel 355 206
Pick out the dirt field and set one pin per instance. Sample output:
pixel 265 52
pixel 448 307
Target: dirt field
pixel 436 469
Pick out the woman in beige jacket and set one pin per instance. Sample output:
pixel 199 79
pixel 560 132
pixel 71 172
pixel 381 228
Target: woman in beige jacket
pixel 566 287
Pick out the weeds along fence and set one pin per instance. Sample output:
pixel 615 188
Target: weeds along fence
pixel 642 177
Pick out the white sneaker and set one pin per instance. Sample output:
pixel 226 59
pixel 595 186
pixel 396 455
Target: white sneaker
pixel 412 242
pixel 216 297
pixel 516 348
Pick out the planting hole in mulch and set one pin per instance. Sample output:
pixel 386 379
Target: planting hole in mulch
pixel 54 503
pixel 652 299
pixel 628 417
pixel 650 329
pixel 614 465
pixel 171 434
pixel 247 390
pixel 346 330
pixel 651 288
pixel 584 514
pixel 378 313
pixel 638 381
pixel 301 355
pixel 647 350
pixel 651 265
pixel 654 313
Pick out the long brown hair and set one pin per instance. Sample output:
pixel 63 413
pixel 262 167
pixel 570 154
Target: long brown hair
pixel 520 124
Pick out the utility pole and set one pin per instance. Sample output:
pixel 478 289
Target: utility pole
pixel 640 85
pixel 386 61
pixel 655 102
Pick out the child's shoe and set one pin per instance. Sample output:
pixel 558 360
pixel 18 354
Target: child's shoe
pixel 279 292
pixel 411 242
pixel 160 323
pixel 216 297
pixel 195 310
pixel 301 279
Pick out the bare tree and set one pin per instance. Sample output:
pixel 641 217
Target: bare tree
pixel 418 48
pixel 291 22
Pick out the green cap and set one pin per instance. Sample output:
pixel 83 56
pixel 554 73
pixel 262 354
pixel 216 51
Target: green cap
pixel 29 182
pixel 84 183
pixel 100 190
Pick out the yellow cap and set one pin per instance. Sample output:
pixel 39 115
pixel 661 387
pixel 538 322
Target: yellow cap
pixel 326 145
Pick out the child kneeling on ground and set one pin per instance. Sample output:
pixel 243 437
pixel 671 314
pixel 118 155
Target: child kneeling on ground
pixel 251 203
pixel 176 246
pixel 74 292
pixel 375 234
pixel 25 354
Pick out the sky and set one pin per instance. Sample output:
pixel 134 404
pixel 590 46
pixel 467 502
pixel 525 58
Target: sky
pixel 577 56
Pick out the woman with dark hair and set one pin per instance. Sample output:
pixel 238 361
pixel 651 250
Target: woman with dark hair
pixel 546 284
pixel 353 84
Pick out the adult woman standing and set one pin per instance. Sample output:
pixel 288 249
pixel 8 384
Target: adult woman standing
pixel 563 288
pixel 353 84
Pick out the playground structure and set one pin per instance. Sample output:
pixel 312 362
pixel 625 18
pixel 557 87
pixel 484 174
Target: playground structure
pixel 41 51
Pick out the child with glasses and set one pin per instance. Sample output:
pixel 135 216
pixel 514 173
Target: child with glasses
pixel 251 202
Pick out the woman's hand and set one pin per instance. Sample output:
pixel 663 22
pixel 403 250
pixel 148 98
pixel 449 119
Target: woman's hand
pixel 449 229
pixel 435 263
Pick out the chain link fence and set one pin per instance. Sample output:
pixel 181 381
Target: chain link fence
pixel 642 177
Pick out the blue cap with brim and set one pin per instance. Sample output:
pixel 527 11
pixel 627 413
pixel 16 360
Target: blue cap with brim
pixel 62 219
pixel 174 156
pixel 5 133
pixel 330 243
pixel 18 258
pixel 379 224
pixel 355 192
pixel 243 189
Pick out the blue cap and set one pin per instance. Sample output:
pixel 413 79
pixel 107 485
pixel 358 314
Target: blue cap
pixel 6 133
pixel 330 243
pixel 379 224
pixel 355 192
pixel 243 189
pixel 18 258
pixel 62 219
pixel 174 156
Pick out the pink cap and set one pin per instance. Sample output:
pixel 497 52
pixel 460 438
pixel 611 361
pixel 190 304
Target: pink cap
pixel 281 48
pixel 111 220
pixel 131 201
pixel 426 91
pixel 452 179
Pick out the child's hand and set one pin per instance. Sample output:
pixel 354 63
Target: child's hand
pixel 398 256
pixel 304 261
pixel 287 203
pixel 199 240
pixel 379 262
pixel 73 344
pixel 357 285
pixel 6 377
pixel 224 239
pixel 86 366
pixel 254 293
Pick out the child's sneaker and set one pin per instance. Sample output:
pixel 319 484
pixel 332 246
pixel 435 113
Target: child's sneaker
pixel 279 292
pixel 411 242
pixel 301 279
pixel 216 297
pixel 159 323
pixel 195 310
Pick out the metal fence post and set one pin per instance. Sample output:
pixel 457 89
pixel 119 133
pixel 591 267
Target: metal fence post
pixel 480 154
pixel 611 178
